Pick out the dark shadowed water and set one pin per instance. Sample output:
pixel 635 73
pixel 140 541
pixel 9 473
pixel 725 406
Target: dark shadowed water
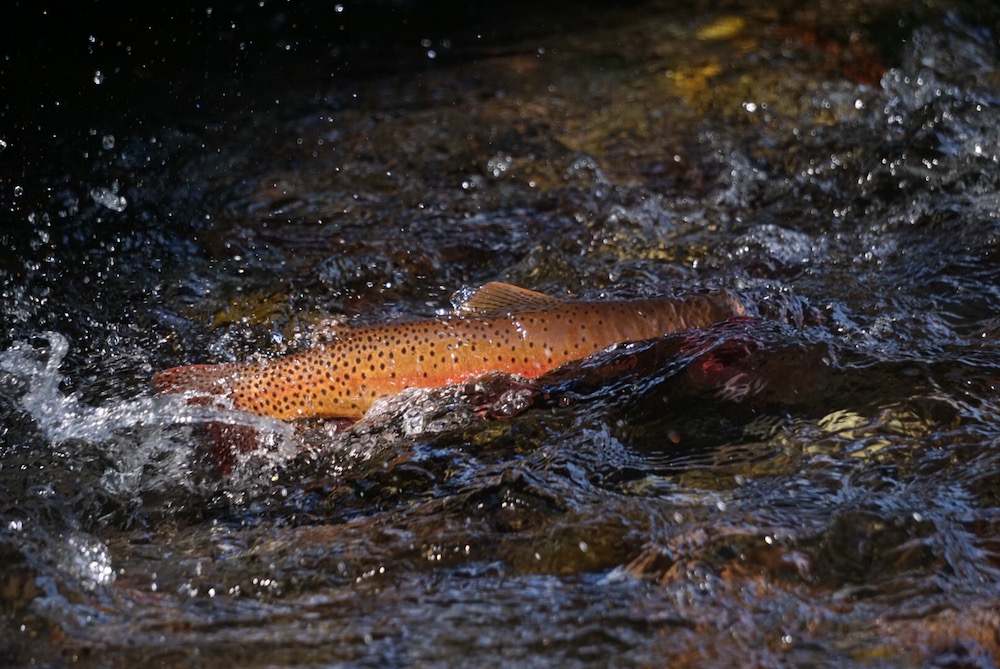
pixel 818 485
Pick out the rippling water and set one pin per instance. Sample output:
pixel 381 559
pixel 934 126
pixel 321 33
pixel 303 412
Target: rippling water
pixel 815 486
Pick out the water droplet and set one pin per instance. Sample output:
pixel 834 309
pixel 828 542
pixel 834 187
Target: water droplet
pixel 98 77
pixel 109 197
pixel 18 191
pixel 499 165
pixel 108 142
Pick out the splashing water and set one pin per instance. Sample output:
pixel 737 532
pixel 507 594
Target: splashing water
pixel 86 559
pixel 147 440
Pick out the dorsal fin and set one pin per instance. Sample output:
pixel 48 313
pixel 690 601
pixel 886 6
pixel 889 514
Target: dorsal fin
pixel 504 298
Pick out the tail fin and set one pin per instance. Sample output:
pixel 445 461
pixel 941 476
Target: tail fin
pixel 204 379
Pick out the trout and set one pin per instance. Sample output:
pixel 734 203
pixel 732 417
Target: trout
pixel 499 328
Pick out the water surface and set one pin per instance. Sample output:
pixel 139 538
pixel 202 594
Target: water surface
pixel 814 486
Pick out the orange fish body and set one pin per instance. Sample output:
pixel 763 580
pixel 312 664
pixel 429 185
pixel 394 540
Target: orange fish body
pixel 500 328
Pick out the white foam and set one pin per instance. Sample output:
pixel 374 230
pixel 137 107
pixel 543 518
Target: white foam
pixel 148 439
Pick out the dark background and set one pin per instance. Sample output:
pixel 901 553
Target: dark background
pixel 184 58
pixel 181 64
